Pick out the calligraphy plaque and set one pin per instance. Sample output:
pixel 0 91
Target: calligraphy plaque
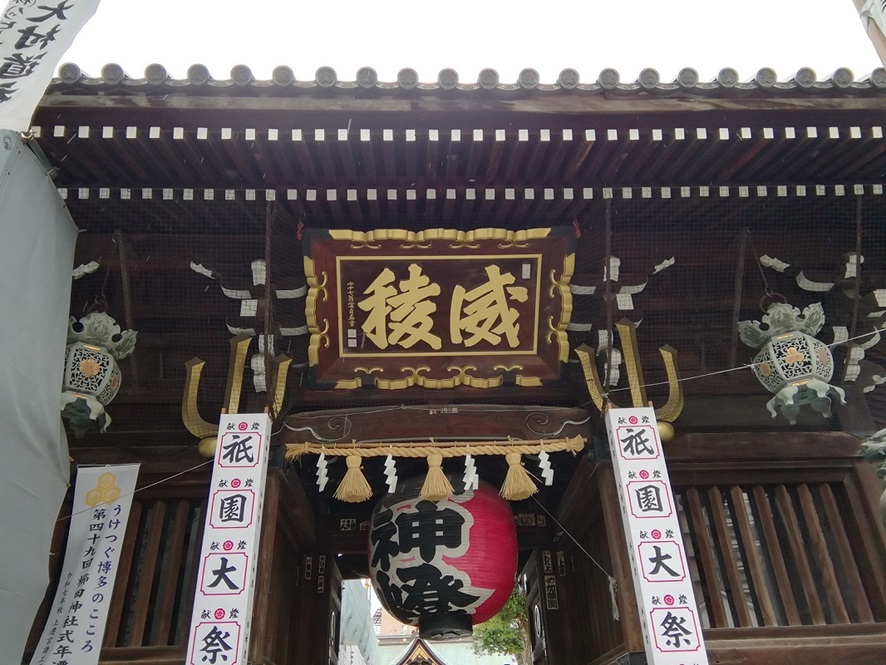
pixel 438 308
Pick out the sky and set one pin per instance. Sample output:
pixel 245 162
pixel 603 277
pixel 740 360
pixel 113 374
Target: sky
pixel 469 35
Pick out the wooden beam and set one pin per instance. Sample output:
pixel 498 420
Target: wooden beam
pixel 556 103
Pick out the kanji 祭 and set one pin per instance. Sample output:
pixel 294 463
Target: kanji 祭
pixel 674 630
pixel 215 646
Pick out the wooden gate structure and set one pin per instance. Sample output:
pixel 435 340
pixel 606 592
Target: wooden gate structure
pixel 683 202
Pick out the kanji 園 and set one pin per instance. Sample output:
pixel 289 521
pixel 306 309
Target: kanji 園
pixel 231 509
pixel 648 499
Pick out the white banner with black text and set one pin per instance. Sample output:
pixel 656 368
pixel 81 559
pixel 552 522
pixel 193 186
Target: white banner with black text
pixel 665 598
pixel 223 599
pixel 76 624
pixel 33 38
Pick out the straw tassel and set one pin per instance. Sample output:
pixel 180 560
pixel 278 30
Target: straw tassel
pixel 517 485
pixel 437 486
pixel 353 487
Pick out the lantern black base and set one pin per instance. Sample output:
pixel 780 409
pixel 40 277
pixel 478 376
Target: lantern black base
pixel 445 626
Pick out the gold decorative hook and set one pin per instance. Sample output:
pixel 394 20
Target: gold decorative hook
pixel 190 414
pixel 194 368
pixel 282 363
pixel 627 332
pixel 234 385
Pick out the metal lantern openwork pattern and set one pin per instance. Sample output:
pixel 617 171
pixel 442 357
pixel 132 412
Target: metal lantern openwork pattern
pixel 92 376
pixel 792 364
pixel 445 565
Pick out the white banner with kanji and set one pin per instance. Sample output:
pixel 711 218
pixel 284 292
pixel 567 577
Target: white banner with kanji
pixel 76 624
pixel 668 612
pixel 33 38
pixel 223 599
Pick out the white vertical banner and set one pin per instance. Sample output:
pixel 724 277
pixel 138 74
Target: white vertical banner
pixel 76 624
pixel 223 599
pixel 33 38
pixel 668 611
pixel 37 237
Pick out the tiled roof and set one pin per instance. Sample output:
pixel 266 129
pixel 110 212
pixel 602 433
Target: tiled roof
pixel 608 80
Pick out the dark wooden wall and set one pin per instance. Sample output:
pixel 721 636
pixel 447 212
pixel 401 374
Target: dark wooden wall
pixel 785 547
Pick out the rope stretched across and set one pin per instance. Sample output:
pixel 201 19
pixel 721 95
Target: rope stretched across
pixel 446 449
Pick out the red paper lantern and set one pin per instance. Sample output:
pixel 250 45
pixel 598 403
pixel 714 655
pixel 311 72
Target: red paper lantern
pixel 446 565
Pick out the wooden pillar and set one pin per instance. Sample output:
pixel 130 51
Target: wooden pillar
pixel 284 616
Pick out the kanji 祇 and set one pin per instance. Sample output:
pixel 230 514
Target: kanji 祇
pixel 636 441
pixel 238 449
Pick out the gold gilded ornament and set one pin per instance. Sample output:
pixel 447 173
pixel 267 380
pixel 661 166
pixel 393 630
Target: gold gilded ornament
pixel 207 447
pixel 89 367
pixel 665 431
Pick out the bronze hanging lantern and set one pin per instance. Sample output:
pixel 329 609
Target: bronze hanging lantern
pixel 92 376
pixel 792 363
